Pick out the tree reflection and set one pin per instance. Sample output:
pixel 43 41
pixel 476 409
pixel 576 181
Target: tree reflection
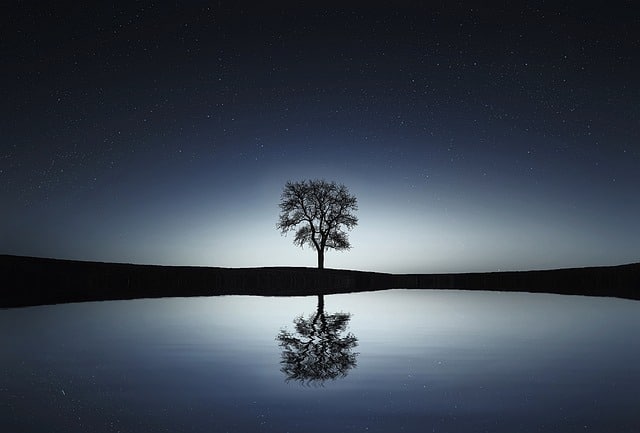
pixel 317 351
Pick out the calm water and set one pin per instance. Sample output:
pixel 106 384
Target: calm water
pixel 412 361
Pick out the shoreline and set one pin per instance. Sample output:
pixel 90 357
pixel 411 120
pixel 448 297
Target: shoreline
pixel 29 281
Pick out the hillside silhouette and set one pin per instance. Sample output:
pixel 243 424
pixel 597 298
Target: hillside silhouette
pixel 36 281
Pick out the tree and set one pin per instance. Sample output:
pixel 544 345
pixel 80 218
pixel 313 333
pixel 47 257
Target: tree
pixel 318 351
pixel 319 211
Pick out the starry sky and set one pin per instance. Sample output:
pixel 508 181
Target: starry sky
pixel 476 137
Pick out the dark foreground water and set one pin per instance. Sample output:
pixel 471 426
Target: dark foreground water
pixel 392 361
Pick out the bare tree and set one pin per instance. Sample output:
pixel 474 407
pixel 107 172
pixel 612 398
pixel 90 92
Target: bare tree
pixel 320 212
pixel 318 350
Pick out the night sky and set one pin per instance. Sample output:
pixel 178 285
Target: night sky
pixel 475 138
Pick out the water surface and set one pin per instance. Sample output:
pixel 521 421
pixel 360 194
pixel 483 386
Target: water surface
pixel 397 360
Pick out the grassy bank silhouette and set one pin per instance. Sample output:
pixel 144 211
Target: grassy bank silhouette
pixel 36 281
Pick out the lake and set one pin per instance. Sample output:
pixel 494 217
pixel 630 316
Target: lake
pixel 386 361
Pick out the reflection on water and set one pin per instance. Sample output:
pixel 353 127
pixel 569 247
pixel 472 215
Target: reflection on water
pixel 444 361
pixel 317 351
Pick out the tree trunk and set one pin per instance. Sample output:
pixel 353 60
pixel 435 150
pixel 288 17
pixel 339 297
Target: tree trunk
pixel 321 258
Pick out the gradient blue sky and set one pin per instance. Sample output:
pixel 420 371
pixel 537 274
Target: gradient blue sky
pixel 475 138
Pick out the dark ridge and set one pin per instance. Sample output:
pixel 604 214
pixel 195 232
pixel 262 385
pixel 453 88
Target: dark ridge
pixel 37 281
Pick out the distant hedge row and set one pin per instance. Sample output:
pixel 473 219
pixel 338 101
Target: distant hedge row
pixel 37 281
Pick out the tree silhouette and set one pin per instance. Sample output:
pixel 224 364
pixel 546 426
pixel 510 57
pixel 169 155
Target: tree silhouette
pixel 319 211
pixel 316 351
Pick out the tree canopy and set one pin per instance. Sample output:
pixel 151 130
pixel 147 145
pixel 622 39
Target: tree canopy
pixel 320 213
